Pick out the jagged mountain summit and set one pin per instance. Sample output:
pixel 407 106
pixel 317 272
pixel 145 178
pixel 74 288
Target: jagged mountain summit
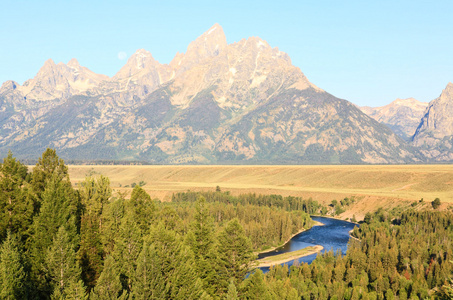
pixel 402 115
pixel 217 103
pixel 434 135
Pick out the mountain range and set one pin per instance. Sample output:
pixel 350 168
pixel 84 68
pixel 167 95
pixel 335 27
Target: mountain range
pixel 217 103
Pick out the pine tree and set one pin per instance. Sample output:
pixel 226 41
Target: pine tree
pixel 141 208
pixel 94 193
pixel 16 201
pixel 108 285
pixel 232 293
pixel 148 282
pixel 75 291
pixel 177 265
pixel 254 287
pixel 49 164
pixel 112 216
pixel 235 253
pixel 128 245
pixel 12 274
pixel 59 208
pixel 201 241
pixel 63 268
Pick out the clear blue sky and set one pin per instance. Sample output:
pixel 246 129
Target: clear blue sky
pixel 368 52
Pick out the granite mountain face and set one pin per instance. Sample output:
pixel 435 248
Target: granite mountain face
pixel 217 103
pixel 402 115
pixel 434 135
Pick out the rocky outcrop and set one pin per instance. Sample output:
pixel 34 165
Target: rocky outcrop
pixel 402 115
pixel 434 135
pixel 216 103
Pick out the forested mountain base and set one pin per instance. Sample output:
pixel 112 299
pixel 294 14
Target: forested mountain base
pixel 62 243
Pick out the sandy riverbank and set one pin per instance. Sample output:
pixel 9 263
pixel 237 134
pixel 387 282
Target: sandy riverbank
pixel 288 256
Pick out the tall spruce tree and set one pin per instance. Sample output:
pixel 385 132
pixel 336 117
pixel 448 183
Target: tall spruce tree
pixel 109 285
pixel 16 199
pixel 49 165
pixel 94 193
pixel 201 240
pixel 141 208
pixel 13 278
pixel 148 282
pixel 235 253
pixel 59 208
pixel 128 245
pixel 177 265
pixel 63 268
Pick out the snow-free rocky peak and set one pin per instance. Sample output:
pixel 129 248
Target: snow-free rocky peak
pixel 402 115
pixel 215 103
pixel 435 132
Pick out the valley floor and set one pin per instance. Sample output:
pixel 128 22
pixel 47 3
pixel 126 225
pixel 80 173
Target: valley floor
pixel 373 185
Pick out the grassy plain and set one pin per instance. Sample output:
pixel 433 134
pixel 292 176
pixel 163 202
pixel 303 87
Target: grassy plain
pixel 374 186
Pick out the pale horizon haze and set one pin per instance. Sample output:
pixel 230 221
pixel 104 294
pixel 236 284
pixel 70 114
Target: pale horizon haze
pixel 369 53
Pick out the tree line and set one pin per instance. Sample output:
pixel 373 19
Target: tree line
pixel 58 242
pixel 407 256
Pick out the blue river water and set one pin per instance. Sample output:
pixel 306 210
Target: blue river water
pixel 334 234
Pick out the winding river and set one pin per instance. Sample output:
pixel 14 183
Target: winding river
pixel 334 234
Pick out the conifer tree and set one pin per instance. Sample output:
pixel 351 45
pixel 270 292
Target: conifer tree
pixel 235 253
pixel 254 287
pixel 148 282
pixel 128 245
pixel 141 208
pixel 16 200
pixel 49 165
pixel 59 209
pixel 94 195
pixel 177 265
pixel 201 241
pixel 12 275
pixel 109 285
pixel 112 217
pixel 63 268
pixel 232 293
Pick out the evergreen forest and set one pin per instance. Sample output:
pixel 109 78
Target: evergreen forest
pixel 62 242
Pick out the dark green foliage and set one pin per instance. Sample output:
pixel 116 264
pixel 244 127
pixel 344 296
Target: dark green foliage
pixel 17 205
pixel 94 193
pixel 48 165
pixel 436 203
pixel 273 201
pixel 235 253
pixel 63 268
pixel 402 258
pixel 59 208
pixel 200 245
pixel 148 281
pixel 254 286
pixel 180 280
pixel 13 278
pixel 108 285
pixel 141 208
pixel 267 220
pixel 201 241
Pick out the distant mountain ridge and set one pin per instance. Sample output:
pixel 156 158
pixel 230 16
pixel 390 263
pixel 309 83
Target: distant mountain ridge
pixel 434 135
pixel 402 115
pixel 217 103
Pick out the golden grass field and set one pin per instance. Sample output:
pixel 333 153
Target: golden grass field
pixel 374 186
